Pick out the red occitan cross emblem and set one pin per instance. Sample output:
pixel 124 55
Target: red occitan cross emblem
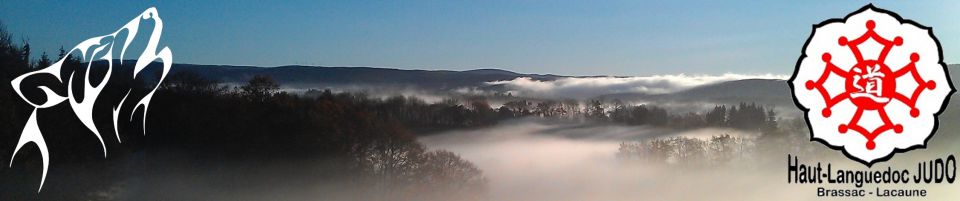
pixel 870 85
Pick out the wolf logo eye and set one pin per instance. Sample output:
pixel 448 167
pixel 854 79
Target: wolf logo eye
pixel 93 49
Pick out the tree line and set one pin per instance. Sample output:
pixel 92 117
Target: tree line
pixel 477 111
pixel 717 151
pixel 766 146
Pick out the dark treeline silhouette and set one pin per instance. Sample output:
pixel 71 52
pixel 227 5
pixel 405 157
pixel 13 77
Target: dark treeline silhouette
pixel 745 116
pixel 363 139
pixel 335 139
pixel 476 111
pixel 420 116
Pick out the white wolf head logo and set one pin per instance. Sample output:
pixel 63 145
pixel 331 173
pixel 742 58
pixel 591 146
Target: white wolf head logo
pixel 94 49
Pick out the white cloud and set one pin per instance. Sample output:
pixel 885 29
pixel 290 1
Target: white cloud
pixel 582 87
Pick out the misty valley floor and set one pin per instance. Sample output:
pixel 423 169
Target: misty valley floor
pixel 532 160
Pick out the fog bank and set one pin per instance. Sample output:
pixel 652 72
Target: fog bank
pixel 576 87
pixel 536 160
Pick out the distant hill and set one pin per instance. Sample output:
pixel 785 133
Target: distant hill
pixel 954 70
pixel 763 91
pixel 312 76
pixel 771 92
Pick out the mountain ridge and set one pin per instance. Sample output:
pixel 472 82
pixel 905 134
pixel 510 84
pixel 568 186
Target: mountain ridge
pixel 764 91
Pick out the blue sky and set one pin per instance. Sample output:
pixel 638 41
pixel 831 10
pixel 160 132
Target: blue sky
pixel 558 37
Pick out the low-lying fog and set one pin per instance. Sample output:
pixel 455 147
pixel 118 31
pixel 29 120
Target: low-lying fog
pixel 536 160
